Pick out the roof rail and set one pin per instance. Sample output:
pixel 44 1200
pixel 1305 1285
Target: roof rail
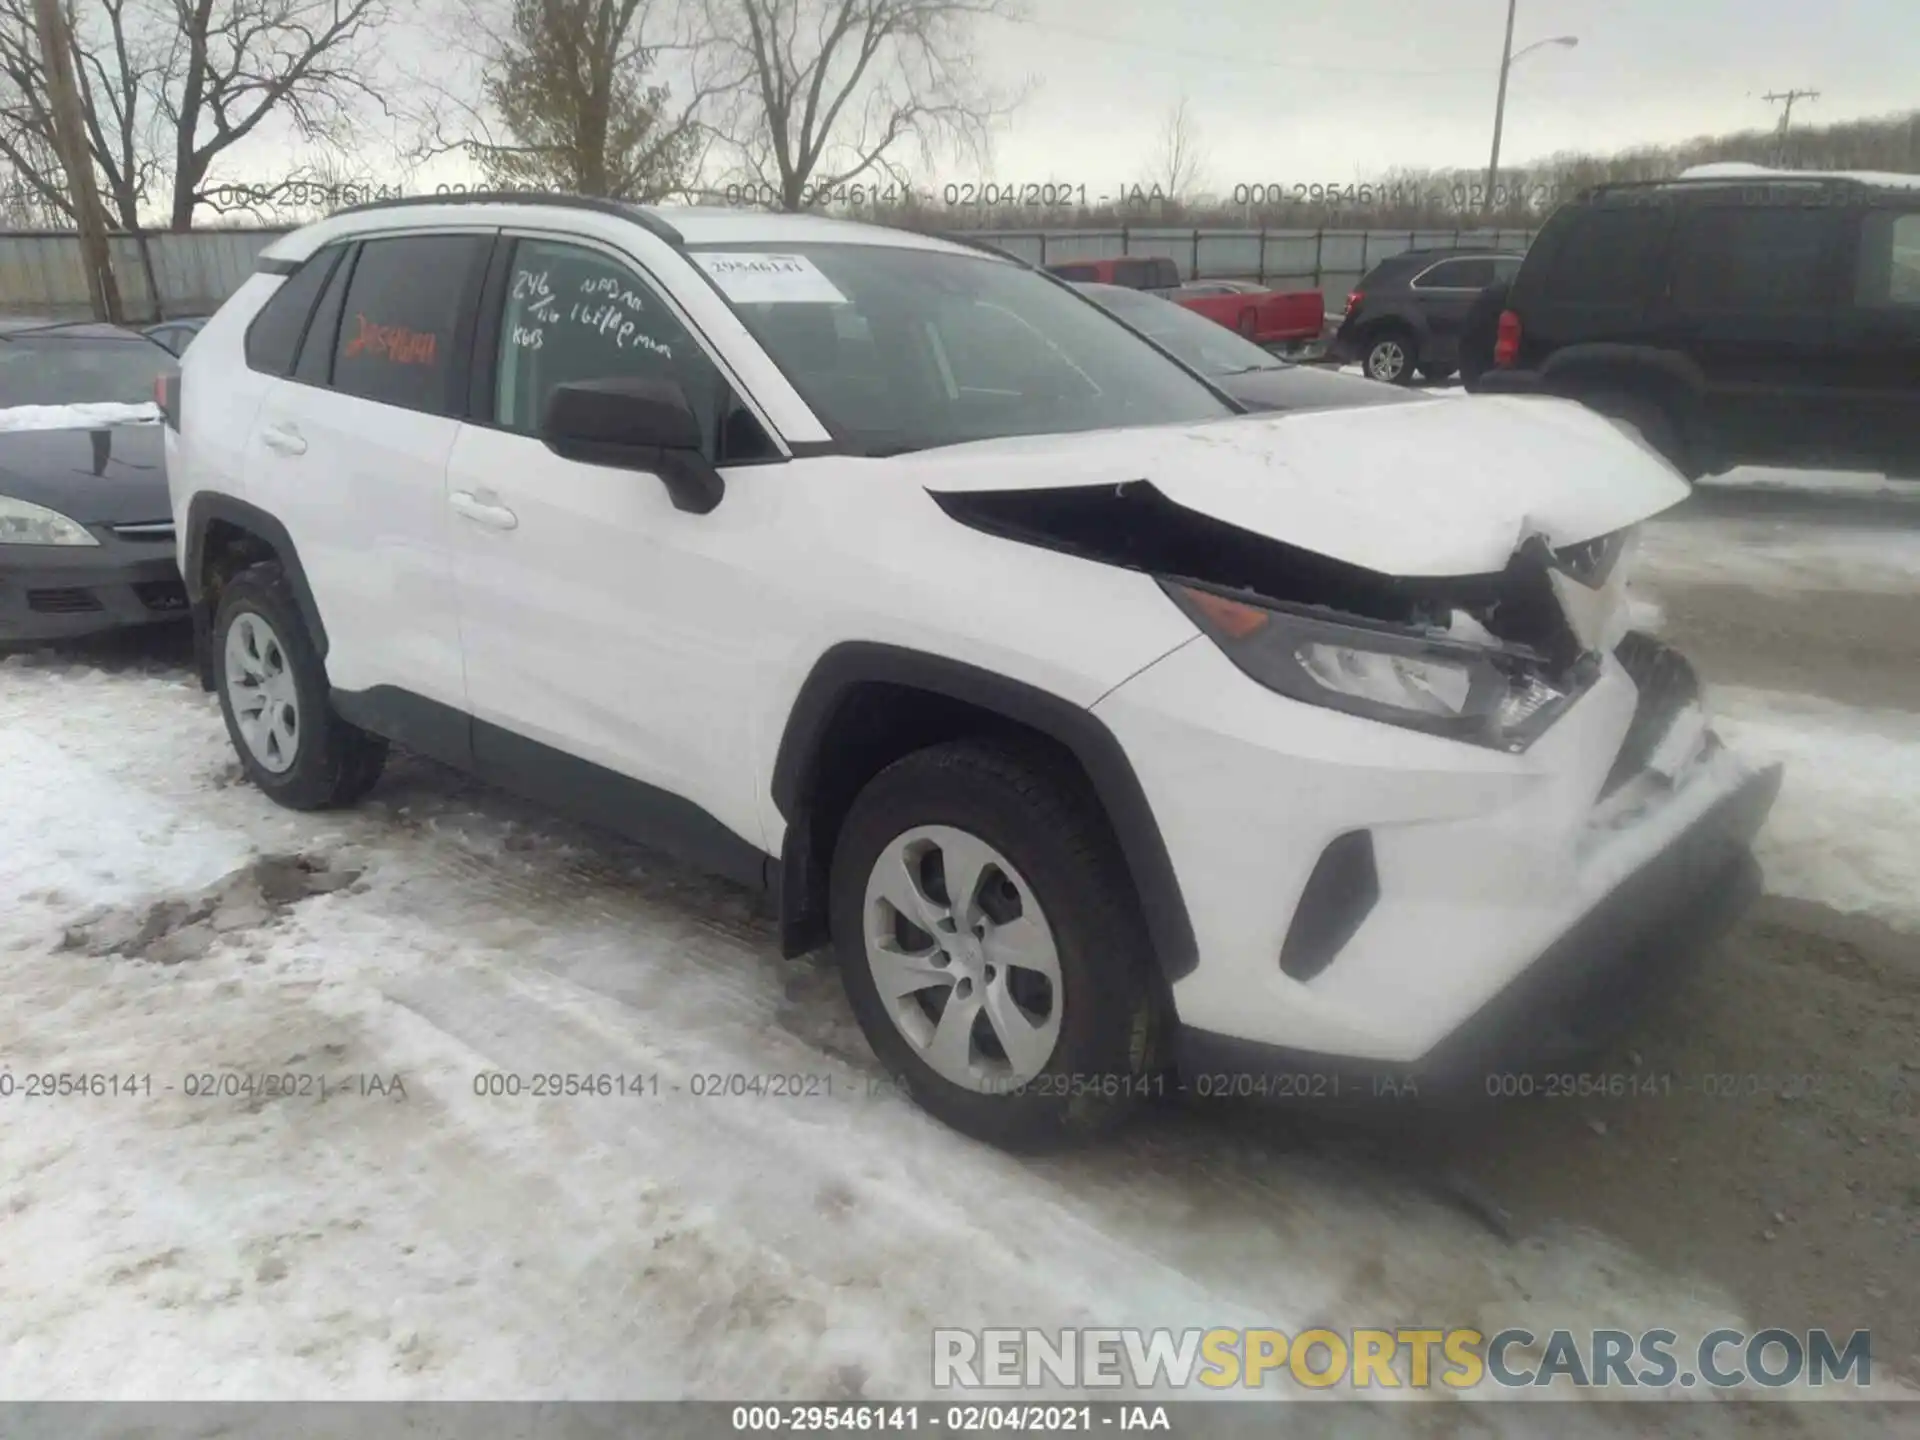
pixel 1755 180
pixel 644 218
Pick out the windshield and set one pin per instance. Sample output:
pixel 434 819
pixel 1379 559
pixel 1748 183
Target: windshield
pixel 903 349
pixel 48 370
pixel 1209 348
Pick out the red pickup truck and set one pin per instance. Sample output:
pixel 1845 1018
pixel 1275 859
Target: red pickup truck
pixel 1266 317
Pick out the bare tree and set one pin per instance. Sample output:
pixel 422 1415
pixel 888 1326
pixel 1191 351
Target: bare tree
pixel 1179 164
pixel 569 82
pixel 171 86
pixel 824 93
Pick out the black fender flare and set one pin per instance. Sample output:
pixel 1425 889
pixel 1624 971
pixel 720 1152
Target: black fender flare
pixel 1116 787
pixel 208 506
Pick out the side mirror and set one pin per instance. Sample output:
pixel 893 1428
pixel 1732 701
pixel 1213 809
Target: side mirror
pixel 637 425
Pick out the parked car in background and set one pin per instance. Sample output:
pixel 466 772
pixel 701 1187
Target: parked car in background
pixel 176 333
pixel 1283 319
pixel 1480 332
pixel 1277 318
pixel 1136 272
pixel 86 532
pixel 1407 313
pixel 1734 316
pixel 1241 368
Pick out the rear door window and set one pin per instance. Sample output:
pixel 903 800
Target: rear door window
pixel 400 328
pixel 1753 260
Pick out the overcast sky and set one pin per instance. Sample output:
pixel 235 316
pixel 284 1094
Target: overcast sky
pixel 1333 91
pixel 1296 91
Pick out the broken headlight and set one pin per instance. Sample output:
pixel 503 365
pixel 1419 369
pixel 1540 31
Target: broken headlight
pixel 1483 692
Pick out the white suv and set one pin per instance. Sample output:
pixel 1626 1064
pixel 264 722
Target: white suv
pixel 1120 742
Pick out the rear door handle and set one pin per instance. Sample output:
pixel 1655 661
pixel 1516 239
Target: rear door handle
pixel 494 517
pixel 285 439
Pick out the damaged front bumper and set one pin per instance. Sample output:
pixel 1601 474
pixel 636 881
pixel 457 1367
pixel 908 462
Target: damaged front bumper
pixel 1507 904
pixel 1564 1007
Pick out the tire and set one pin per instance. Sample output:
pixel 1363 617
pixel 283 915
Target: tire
pixel 313 760
pixel 1652 420
pixel 1435 374
pixel 1053 854
pixel 1389 356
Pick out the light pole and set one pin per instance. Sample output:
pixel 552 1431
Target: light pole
pixel 1507 59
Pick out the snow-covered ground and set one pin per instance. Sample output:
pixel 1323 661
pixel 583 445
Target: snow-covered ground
pixel 1846 829
pixel 420 1239
pixel 444 1243
pixel 1828 482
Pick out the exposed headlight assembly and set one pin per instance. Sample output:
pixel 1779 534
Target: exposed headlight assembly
pixel 24 523
pixel 1495 695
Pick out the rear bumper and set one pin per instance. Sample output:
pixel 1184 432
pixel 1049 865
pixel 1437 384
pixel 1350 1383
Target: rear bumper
pixel 59 592
pixel 1575 996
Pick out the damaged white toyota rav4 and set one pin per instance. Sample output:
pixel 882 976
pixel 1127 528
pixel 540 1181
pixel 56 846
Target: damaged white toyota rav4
pixel 1118 741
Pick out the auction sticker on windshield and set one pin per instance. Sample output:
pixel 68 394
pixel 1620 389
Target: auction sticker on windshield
pixel 756 279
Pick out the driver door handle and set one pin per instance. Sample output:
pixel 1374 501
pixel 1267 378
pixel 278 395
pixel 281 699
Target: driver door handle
pixel 494 517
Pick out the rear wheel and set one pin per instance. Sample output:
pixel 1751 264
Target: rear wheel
pixel 1249 324
pixel 1389 358
pixel 989 943
pixel 273 693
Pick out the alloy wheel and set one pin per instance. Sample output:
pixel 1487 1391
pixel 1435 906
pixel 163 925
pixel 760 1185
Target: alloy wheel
pixel 963 958
pixel 1387 360
pixel 260 690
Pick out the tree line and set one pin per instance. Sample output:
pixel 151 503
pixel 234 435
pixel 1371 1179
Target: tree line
pixel 840 105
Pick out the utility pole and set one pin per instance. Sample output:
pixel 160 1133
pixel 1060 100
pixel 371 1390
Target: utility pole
pixel 70 136
pixel 1774 97
pixel 1500 107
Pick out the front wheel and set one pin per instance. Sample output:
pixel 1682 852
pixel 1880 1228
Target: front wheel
pixel 990 946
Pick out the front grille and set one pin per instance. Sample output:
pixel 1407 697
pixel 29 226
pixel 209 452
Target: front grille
pixel 162 595
pixel 1667 684
pixel 146 530
pixel 71 600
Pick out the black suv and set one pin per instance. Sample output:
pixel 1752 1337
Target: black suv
pixel 1769 317
pixel 1407 312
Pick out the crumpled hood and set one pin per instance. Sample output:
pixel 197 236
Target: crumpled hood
pixel 1448 487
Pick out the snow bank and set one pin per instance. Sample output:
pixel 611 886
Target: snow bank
pixel 1844 829
pixel 77 417
pixel 1777 557
pixel 1829 482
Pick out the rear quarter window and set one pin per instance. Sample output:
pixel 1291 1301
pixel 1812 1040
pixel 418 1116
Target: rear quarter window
pixel 274 336
pixel 1607 256
pixel 1889 267
pixel 401 325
